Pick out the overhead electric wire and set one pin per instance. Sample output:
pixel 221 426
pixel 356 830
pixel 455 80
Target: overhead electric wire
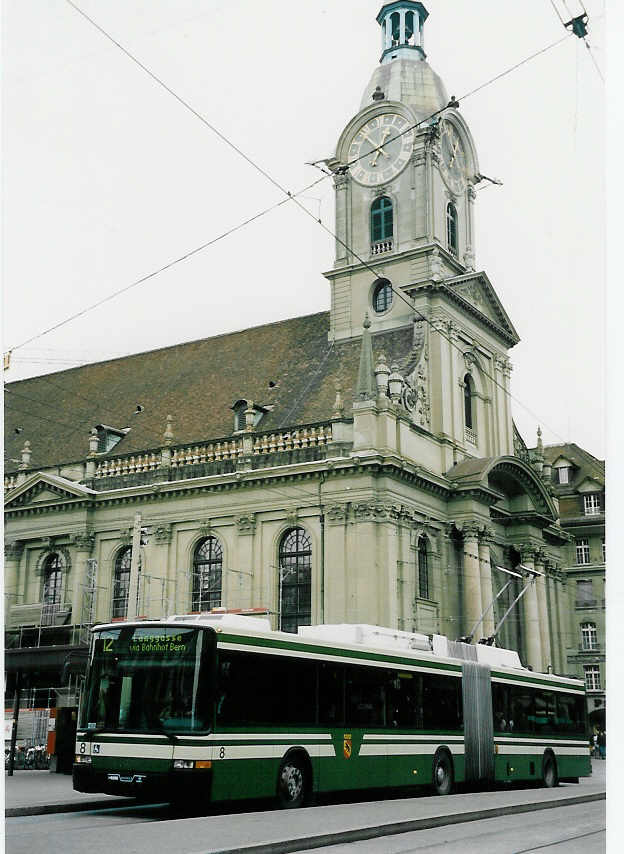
pixel 289 196
pixel 165 267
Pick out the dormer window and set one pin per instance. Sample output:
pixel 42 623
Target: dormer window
pixel 108 437
pixel 240 407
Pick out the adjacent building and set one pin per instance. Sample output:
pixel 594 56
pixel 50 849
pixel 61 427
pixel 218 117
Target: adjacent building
pixel 578 480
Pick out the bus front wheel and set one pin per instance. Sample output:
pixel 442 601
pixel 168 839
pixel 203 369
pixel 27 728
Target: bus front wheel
pixel 443 773
pixel 292 783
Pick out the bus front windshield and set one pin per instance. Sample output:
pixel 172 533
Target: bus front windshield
pixel 149 679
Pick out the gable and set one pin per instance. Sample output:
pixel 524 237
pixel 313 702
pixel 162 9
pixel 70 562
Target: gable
pixel 476 290
pixel 590 485
pixel 42 488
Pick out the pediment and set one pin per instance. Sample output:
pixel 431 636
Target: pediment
pixel 590 485
pixel 476 289
pixel 42 488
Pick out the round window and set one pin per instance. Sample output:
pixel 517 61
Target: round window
pixel 382 295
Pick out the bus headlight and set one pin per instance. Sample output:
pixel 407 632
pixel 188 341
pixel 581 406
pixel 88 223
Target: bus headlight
pixel 183 763
pixel 81 759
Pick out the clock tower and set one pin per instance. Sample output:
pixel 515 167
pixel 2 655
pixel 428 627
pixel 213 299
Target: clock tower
pixel 404 170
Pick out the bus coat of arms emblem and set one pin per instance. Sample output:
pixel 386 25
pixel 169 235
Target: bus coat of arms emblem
pixel 347 745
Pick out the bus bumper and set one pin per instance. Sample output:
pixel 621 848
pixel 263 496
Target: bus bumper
pixel 174 785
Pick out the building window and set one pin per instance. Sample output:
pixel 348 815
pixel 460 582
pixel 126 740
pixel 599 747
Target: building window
pixel 592 677
pixel 591 504
pixel 582 551
pixel 409 28
pixel 53 580
pixel 589 639
pixel 121 582
pixel 423 569
pixel 295 580
pixel 563 475
pixel 468 392
pixel 382 220
pixel 451 228
pixel 207 575
pixel 584 594
pixel 395 24
pixel 382 296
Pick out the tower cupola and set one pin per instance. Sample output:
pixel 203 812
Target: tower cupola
pixel 402 24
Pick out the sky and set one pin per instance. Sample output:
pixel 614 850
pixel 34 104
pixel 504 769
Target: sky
pixel 107 177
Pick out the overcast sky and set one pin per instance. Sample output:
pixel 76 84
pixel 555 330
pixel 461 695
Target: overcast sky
pixel 107 177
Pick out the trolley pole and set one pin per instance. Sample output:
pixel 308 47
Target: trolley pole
pixel 133 584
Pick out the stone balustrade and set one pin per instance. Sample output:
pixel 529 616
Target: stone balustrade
pixel 243 445
pixel 382 246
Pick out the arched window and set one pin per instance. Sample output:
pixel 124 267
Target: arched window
pixel 382 295
pixel 207 575
pixel 395 23
pixel 53 580
pixel 468 392
pixel 409 28
pixel 295 580
pixel 121 582
pixel 451 228
pixel 423 569
pixel 382 220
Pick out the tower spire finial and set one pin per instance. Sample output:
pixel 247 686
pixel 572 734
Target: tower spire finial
pixel 366 374
pixel 402 24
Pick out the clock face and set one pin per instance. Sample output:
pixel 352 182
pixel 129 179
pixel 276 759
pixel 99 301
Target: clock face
pixel 380 149
pixel 453 158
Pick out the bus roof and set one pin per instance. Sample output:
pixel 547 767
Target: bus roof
pixel 364 638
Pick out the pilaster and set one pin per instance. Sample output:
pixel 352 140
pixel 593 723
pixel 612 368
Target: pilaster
pixel 472 577
pixel 542 605
pixel 531 613
pixel 487 627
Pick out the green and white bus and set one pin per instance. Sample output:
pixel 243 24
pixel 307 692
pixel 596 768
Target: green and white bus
pixel 219 707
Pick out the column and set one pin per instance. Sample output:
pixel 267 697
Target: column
pixel 531 615
pixel 13 551
pixel 83 542
pixel 542 605
pixel 243 578
pixel 552 616
pixel 472 577
pixel 402 26
pixel 560 594
pixel 487 595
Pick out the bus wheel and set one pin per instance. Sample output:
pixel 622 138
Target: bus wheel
pixel 291 783
pixel 443 773
pixel 549 771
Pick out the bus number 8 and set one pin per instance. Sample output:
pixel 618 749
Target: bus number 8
pixel 222 753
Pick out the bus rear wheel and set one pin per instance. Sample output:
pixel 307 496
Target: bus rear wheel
pixel 443 773
pixel 292 783
pixel 549 771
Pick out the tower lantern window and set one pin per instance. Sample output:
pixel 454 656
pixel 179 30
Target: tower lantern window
pixel 395 23
pixel 409 28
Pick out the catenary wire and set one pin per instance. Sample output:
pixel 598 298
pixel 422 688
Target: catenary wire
pixel 165 267
pixel 242 154
pixel 290 196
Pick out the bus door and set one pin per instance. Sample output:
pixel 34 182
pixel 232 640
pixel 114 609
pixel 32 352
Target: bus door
pixel 478 722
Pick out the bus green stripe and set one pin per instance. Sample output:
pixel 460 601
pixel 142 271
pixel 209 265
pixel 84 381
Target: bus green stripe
pixel 268 643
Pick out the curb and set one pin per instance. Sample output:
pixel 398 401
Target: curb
pixel 72 806
pixel 375 832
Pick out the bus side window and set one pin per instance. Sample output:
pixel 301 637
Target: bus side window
pixel 521 715
pixel 442 702
pixel 500 707
pixel 545 712
pixel 331 693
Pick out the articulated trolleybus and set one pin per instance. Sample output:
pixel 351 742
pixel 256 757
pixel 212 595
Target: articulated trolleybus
pixel 219 707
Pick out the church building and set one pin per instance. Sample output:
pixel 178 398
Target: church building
pixel 356 465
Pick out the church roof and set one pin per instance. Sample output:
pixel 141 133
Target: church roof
pixel 288 367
